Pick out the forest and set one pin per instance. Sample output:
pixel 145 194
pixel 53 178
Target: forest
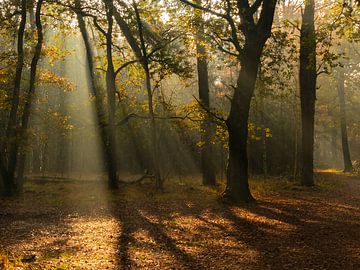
pixel 179 134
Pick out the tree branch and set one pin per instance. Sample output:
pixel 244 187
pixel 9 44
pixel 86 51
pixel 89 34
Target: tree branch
pixel 125 65
pixel 204 9
pixel 220 118
pixel 255 6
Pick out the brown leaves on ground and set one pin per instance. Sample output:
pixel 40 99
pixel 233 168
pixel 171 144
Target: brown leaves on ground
pixel 80 225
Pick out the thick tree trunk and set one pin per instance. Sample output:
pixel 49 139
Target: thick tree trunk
pixel 308 92
pixel 207 166
pixel 343 124
pixel 110 162
pixel 237 188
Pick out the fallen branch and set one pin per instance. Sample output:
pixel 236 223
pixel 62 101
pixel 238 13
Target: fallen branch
pixel 139 180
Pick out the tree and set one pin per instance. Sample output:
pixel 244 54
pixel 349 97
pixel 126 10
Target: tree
pixel 152 52
pixel 32 87
pixel 8 157
pixel 343 123
pixel 145 64
pixel 111 90
pixel 240 20
pixel 107 147
pixel 207 166
pixel 16 128
pixel 307 78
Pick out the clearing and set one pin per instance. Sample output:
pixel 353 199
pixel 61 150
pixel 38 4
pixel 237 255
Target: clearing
pixel 74 224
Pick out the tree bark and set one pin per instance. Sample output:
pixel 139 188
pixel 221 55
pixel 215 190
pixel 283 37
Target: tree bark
pixel 207 166
pixel 308 91
pixel 343 124
pixel 111 94
pixel 237 188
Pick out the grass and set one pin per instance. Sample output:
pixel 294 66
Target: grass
pixel 176 189
pixel 279 185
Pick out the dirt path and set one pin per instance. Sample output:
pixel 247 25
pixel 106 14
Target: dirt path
pixel 79 225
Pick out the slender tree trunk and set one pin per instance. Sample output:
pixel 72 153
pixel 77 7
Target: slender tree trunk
pixel 264 139
pixel 153 131
pixel 110 162
pixel 22 158
pixel 30 94
pixel 308 91
pixel 343 124
pixel 111 94
pixel 207 166
pixel 296 138
pixel 140 52
pixel 8 163
pixel 134 139
pixel 3 177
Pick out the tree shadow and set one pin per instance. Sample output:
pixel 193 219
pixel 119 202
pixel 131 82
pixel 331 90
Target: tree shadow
pixel 40 221
pixel 281 234
pixel 132 221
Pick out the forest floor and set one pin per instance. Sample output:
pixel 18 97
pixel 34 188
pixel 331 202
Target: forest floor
pixel 74 224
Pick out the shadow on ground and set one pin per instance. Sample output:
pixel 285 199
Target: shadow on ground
pixel 80 225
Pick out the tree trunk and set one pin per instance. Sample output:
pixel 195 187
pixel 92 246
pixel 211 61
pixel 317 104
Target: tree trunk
pixel 296 139
pixel 3 171
pixel 111 94
pixel 264 138
pixel 9 164
pixel 22 158
pixel 343 124
pixel 153 132
pixel 237 188
pixel 308 91
pixel 30 94
pixel 207 166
